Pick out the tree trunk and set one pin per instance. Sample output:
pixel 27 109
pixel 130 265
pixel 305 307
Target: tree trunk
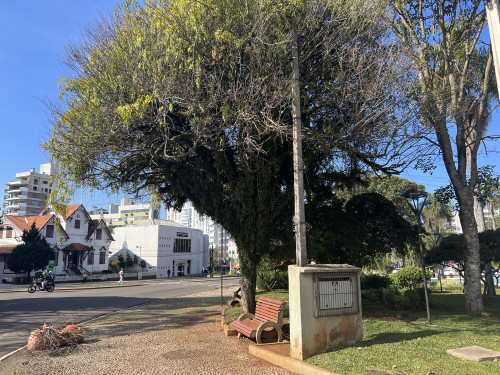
pixel 479 214
pixel 248 286
pixel 491 208
pixel 489 282
pixel 472 276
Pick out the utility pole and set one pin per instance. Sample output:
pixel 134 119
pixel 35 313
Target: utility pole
pixel 298 168
pixel 493 14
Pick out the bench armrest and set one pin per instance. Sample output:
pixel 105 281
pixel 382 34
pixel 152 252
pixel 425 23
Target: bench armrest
pixel 246 316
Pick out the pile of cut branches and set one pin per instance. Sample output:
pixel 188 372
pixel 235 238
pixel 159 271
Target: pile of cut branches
pixel 51 336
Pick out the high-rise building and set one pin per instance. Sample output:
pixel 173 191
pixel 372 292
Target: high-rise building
pixel 26 195
pixel 219 238
pixel 127 213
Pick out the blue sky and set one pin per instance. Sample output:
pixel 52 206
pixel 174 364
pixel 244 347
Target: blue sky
pixel 33 34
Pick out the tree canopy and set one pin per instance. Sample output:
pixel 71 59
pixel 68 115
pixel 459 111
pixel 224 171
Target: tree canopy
pixel 34 253
pixel 453 249
pixel 191 101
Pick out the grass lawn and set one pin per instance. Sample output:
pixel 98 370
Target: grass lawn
pixel 403 343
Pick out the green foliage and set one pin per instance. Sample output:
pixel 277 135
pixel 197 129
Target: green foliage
pixel 142 263
pixel 374 281
pixel 121 261
pixel 452 285
pixel 33 254
pixel 136 259
pixel 129 261
pixel 271 276
pixel 409 277
pixel 452 249
pixel 115 264
pixel 414 298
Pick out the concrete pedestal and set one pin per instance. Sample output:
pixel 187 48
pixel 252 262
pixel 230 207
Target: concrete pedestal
pixel 310 335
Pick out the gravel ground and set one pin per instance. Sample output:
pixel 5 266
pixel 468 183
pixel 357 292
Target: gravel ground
pixel 165 337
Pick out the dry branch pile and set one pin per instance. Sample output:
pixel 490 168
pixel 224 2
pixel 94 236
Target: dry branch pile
pixel 53 336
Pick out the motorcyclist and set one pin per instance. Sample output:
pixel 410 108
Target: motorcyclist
pixel 47 277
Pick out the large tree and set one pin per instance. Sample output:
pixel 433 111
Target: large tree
pixel 191 101
pixel 453 79
pixel 33 254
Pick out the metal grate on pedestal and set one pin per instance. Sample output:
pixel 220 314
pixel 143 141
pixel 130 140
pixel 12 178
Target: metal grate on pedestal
pixel 336 294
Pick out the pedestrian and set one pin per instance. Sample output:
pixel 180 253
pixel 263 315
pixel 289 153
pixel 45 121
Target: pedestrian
pixel 168 273
pixel 84 276
pixel 120 282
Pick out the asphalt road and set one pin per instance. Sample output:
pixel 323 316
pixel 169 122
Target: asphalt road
pixel 22 312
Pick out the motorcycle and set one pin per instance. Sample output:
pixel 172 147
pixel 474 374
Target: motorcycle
pixel 37 285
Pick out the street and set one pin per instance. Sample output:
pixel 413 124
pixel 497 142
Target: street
pixel 22 312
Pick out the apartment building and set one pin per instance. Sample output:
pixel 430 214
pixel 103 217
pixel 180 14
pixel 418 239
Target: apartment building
pixel 129 212
pixel 27 193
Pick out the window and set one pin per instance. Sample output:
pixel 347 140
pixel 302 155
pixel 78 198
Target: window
pixel 35 195
pixel 35 188
pixel 56 258
pixel 77 224
pixel 182 245
pixel 90 258
pixel 45 182
pixel 9 233
pixel 49 231
pixel 35 181
pixel 98 234
pixel 102 257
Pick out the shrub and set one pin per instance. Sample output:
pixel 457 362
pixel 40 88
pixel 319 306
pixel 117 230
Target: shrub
pixel 373 281
pixel 269 280
pixel 409 277
pixel 371 295
pixel 401 302
pixel 142 263
pixel 414 298
pixel 452 284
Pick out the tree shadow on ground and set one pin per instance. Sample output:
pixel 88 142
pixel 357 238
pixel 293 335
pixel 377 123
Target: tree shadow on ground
pixel 170 313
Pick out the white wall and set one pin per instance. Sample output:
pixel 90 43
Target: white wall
pixel 155 244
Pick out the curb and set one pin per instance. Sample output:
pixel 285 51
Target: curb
pixel 288 363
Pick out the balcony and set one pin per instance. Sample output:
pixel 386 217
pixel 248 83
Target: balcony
pixel 18 183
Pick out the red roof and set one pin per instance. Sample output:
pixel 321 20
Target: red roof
pixel 70 210
pixel 25 223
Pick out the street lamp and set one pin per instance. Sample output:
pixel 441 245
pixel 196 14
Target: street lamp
pixel 416 200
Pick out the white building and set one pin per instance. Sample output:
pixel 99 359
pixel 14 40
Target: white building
pixel 83 242
pixel 26 195
pixel 164 245
pixel 129 212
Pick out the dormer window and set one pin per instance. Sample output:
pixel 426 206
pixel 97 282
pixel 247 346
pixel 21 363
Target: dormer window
pixel 49 232
pixel 98 234
pixel 77 224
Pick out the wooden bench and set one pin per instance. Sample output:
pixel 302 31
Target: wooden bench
pixel 268 316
